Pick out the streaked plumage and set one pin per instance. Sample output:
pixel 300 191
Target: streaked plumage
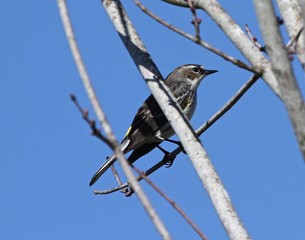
pixel 150 126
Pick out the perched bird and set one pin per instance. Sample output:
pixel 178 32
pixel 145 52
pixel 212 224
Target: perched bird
pixel 150 126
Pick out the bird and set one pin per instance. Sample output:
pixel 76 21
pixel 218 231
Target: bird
pixel 150 127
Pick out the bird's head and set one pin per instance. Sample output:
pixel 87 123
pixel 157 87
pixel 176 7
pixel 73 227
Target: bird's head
pixel 193 73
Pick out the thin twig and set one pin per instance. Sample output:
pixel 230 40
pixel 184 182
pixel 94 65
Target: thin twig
pixel 104 192
pixel 116 175
pixel 254 39
pixel 204 44
pixel 196 21
pixel 97 133
pixel 92 124
pixel 139 178
pixel 124 190
pixel 228 105
pixel 171 202
pixel 294 40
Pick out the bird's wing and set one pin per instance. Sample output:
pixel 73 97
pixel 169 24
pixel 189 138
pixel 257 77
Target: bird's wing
pixel 182 92
pixel 148 120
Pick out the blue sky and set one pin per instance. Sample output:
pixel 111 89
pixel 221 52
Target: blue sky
pixel 48 156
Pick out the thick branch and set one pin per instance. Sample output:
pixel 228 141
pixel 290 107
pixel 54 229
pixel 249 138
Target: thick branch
pixel 293 13
pixel 189 140
pixel 276 50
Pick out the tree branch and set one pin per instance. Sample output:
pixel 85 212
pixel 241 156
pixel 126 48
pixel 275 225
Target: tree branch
pixel 291 94
pixel 293 13
pixel 200 42
pixel 195 20
pixel 181 126
pixel 95 131
pixel 172 203
pixel 102 118
pixel 254 39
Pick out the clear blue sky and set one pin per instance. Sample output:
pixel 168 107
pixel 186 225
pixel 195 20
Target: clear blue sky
pixel 48 156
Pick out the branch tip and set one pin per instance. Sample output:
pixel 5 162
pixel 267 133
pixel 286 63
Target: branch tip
pixel 72 97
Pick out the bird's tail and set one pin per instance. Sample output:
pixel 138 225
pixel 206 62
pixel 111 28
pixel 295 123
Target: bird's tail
pixel 102 169
pixel 111 160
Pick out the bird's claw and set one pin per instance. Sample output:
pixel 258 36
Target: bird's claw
pixel 168 163
pixel 168 160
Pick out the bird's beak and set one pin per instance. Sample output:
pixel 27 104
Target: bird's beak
pixel 207 72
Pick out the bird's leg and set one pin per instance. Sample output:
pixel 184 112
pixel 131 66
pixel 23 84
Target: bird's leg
pixel 176 142
pixel 166 153
pixel 168 160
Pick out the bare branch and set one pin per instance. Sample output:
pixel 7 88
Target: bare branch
pixel 228 105
pixel 181 126
pixel 104 192
pixel 182 3
pixel 202 43
pixel 95 131
pixel 195 20
pixel 116 175
pixel 171 202
pixel 295 39
pixel 293 13
pixel 102 118
pixel 254 39
pixel 281 66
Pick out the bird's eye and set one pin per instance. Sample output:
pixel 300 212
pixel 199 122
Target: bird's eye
pixel 195 69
